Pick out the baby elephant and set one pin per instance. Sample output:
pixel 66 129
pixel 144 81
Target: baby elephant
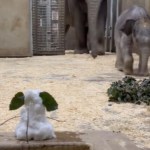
pixel 132 35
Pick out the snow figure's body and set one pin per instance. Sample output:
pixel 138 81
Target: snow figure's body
pixel 34 124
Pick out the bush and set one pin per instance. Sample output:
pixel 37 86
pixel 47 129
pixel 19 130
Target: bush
pixel 130 90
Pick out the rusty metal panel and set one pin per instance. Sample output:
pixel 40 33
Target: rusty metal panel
pixel 112 14
pixel 48 27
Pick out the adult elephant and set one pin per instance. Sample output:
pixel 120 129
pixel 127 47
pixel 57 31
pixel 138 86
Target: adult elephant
pixel 88 18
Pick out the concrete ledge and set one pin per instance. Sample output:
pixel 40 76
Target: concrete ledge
pixel 64 141
pixel 94 140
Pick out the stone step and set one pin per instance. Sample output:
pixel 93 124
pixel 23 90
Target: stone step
pixel 93 140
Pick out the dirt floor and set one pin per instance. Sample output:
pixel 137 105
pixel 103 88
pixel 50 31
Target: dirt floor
pixel 79 84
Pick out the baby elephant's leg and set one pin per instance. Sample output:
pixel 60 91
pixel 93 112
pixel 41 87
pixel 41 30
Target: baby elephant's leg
pixel 143 62
pixel 119 56
pixel 126 48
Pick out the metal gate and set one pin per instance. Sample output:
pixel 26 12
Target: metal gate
pixel 48 27
pixel 113 10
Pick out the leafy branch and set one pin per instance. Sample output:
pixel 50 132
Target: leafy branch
pixel 9 120
pixel 47 100
pixel 130 90
pixel 19 117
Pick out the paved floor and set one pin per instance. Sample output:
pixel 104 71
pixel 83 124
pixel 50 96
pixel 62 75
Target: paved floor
pixel 94 140
pixel 79 84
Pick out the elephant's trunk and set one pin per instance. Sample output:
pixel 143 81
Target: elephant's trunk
pixel 97 13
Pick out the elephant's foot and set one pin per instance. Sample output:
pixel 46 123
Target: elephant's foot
pixel 97 49
pixel 128 71
pixel 142 73
pixel 81 51
pixel 119 66
pixel 101 52
pixel 128 65
pixel 96 53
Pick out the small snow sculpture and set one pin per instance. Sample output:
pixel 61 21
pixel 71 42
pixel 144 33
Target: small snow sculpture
pixel 33 124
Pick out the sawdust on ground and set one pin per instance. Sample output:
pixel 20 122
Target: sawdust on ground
pixel 79 84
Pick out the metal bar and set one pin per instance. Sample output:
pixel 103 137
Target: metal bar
pixel 106 36
pixel 118 8
pixel 107 28
pixel 114 13
pixel 111 25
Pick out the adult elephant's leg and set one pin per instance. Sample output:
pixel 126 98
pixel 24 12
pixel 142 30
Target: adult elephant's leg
pixel 97 12
pixel 80 19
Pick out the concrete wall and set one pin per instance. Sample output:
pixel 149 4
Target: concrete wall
pixel 143 3
pixel 15 28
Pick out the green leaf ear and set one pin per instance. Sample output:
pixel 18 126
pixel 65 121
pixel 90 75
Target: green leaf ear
pixel 48 101
pixel 17 101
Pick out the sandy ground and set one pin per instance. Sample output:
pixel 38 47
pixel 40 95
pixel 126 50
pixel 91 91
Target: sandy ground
pixel 79 84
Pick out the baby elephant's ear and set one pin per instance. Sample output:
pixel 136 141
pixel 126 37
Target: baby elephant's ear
pixel 17 101
pixel 128 27
pixel 48 101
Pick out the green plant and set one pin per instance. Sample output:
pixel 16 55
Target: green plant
pixel 130 90
pixel 144 91
pixel 47 100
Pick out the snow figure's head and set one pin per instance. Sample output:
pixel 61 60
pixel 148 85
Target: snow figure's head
pixel 32 97
pixel 33 124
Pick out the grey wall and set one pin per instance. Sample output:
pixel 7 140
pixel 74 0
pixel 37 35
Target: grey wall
pixel 15 25
pixel 143 3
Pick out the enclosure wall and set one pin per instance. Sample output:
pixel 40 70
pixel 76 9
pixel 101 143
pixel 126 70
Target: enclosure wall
pixel 15 28
pixel 143 3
